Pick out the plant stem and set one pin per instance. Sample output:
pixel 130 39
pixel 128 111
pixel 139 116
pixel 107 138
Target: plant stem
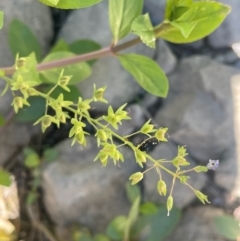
pixel 78 58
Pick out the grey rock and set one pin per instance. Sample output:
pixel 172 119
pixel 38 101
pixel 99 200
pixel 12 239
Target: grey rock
pixel 37 17
pixel 198 109
pixel 78 190
pixel 14 136
pixel 226 176
pixel 197 224
pixel 107 71
pixel 156 9
pixel 137 120
pixel 165 57
pixel 228 57
pixel 228 33
pixel 182 194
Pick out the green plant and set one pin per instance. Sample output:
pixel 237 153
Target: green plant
pixel 227 227
pixel 185 21
pixel 144 221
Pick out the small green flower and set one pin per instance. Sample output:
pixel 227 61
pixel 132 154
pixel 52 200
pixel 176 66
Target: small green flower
pixel 46 121
pixel 136 177
pixel 140 157
pixel 162 187
pixel 203 198
pixel 147 128
pixel 18 103
pixel 98 94
pixel 160 134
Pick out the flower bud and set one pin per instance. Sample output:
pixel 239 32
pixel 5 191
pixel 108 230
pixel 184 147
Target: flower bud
pixel 46 121
pixel 98 94
pixel 101 134
pixel 162 187
pixel 169 204
pixel 140 157
pixel 20 63
pixel 65 80
pixel 203 198
pixel 136 177
pixel 200 169
pixel 160 134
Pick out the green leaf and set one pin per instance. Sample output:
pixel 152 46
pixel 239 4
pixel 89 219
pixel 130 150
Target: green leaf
pixel 158 226
pixel 84 46
pixel 101 237
pixel 132 191
pixel 32 160
pixel 201 19
pixel 33 112
pixel 21 40
pixel 85 237
pixel 79 71
pixel 121 15
pixel 2 120
pixel 174 5
pixel 1 19
pixel 2 73
pixel 70 4
pixel 227 226
pixel 146 72
pixel 60 46
pixel 53 2
pixel 73 95
pixel 50 154
pixel 115 229
pixel 148 208
pixel 132 217
pixel 142 27
pixel 5 178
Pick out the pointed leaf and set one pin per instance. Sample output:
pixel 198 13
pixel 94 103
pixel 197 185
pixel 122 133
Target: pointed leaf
pixel 227 226
pixel 142 27
pixel 132 217
pixel 1 19
pixel 2 120
pixel 121 15
pixel 207 16
pixel 60 46
pixel 79 71
pixel 5 178
pixel 70 4
pixel 115 229
pixel 132 191
pixel 157 226
pixel 146 72
pixel 21 40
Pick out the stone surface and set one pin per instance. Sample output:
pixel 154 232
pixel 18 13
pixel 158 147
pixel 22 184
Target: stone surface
pixel 165 58
pixel 107 71
pixel 197 224
pixel 198 109
pixel 182 194
pixel 78 190
pixel 227 174
pixel 229 32
pixel 137 120
pixel 37 17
